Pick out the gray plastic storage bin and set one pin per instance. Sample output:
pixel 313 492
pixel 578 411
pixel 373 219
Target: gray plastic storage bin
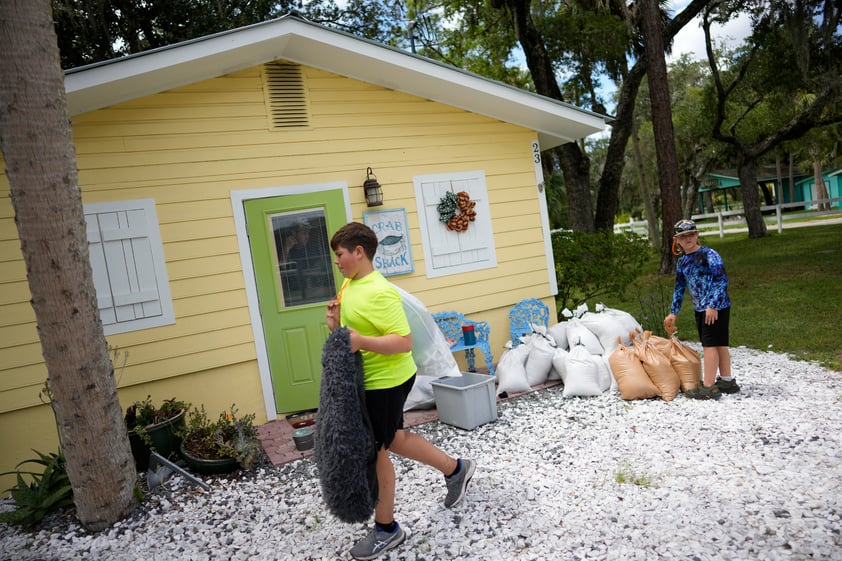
pixel 465 401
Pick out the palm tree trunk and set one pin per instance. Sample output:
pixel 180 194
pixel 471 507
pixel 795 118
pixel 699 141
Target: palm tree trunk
pixel 37 146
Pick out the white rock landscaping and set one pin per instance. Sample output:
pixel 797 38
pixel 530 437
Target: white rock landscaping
pixel 755 475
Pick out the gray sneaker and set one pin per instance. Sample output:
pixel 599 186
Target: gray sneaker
pixel 457 484
pixel 377 542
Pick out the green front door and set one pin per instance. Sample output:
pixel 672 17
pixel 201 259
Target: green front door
pixel 289 238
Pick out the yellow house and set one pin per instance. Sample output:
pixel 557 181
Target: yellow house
pixel 213 173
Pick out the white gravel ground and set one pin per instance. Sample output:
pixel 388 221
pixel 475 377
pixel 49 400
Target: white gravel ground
pixel 756 475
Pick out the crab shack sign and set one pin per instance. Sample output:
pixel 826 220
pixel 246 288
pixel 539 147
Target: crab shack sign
pixel 394 252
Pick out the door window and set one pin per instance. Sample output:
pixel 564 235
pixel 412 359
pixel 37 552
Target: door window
pixel 303 256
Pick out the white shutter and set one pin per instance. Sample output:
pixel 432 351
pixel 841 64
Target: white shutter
pixel 128 265
pixel 447 252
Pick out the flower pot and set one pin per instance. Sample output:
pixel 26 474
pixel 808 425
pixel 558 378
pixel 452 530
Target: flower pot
pixel 165 441
pixel 304 438
pixel 210 466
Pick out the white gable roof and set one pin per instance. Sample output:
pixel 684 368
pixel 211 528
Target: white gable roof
pixel 297 40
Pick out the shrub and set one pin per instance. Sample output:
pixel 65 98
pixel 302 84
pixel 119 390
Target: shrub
pixel 592 265
pixel 227 437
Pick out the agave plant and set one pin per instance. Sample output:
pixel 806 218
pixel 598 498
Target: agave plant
pixel 48 491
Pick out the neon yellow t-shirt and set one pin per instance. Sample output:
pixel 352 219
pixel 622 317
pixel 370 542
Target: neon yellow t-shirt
pixel 372 307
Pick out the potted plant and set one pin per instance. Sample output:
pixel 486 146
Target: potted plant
pixel 155 428
pixel 219 446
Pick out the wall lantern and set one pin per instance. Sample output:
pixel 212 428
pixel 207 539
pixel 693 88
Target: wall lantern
pixel 373 192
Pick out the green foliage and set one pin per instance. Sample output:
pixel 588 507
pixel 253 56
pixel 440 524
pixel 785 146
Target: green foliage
pixel 48 491
pixel 655 299
pixel 142 414
pixel 227 437
pixel 601 264
pixel 625 474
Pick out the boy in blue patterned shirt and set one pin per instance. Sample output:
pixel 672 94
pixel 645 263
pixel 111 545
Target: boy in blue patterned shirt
pixel 701 270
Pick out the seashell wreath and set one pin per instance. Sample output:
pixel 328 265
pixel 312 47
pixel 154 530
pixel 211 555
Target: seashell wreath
pixel 451 203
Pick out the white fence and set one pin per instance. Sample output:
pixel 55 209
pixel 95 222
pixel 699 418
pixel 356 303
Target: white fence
pixel 735 219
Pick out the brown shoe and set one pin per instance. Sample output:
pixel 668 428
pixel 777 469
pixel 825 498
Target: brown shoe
pixel 727 387
pixel 704 392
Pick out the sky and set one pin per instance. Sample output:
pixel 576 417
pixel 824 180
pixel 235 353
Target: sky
pixel 691 38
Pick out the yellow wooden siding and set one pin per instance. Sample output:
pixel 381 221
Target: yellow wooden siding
pixel 189 147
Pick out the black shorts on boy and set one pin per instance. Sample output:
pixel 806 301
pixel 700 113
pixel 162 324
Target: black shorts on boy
pixel 716 334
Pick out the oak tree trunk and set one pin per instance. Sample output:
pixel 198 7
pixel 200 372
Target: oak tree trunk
pixel 747 172
pixel 668 178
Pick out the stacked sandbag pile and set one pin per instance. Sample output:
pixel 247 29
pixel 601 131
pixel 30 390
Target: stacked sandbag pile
pixel 573 351
pixel 655 367
pixel 595 352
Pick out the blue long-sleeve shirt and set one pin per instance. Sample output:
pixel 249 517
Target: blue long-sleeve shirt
pixel 703 272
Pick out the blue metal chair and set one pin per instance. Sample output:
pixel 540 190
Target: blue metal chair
pixel 523 315
pixel 451 324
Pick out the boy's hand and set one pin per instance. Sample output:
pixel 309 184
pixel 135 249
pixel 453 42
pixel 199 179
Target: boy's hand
pixel 356 340
pixel 332 316
pixel 669 324
pixel 711 316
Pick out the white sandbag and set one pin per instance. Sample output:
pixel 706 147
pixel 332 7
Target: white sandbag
pixel 539 361
pixel 559 369
pixel 607 326
pixel 559 334
pixel 430 352
pixel 612 387
pixel 421 396
pixel 628 321
pixel 510 373
pixel 582 374
pixel 579 334
pixel 604 375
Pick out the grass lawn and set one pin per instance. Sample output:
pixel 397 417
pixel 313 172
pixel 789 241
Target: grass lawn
pixel 786 293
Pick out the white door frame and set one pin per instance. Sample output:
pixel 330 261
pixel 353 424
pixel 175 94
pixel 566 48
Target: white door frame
pixel 237 199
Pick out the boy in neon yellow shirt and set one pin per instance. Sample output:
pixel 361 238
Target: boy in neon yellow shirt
pixel 371 309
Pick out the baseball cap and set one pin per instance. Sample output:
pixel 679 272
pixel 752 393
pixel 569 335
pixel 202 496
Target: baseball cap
pixel 683 227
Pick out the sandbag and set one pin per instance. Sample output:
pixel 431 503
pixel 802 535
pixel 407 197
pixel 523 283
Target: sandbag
pixel 687 364
pixel 612 383
pixel 582 374
pixel 510 373
pixel 559 334
pixel 663 344
pixel 632 380
pixel 657 366
pixel 579 334
pixel 421 396
pixel 604 376
pixel 539 361
pixel 626 319
pixel 430 352
pixel 609 325
pixel 559 369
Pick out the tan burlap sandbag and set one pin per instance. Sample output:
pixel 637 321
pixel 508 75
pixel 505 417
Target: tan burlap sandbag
pixel 662 344
pixel 687 363
pixel 657 365
pixel 632 380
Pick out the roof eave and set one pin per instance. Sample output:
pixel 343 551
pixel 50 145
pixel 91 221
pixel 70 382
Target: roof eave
pixel 296 40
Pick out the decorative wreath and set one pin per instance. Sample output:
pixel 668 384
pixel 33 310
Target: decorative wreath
pixel 450 204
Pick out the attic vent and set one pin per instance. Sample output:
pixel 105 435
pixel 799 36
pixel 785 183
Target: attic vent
pixel 286 95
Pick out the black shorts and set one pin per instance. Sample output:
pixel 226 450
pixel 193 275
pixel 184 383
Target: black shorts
pixel 715 335
pixel 385 409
